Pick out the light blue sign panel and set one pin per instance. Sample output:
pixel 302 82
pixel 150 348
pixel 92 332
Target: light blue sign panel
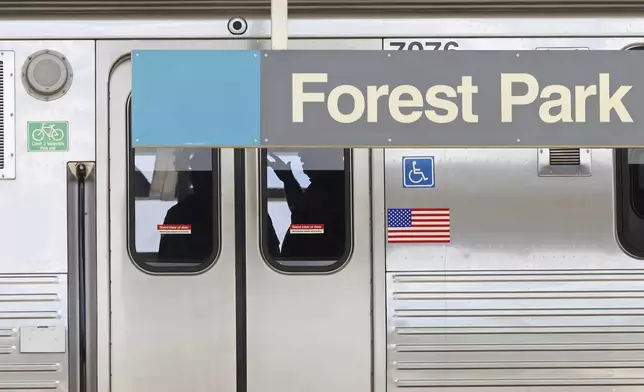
pixel 195 98
pixel 418 172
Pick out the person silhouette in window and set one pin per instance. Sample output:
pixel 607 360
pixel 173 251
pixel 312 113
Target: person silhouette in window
pixel 322 203
pixel 196 210
pixel 273 241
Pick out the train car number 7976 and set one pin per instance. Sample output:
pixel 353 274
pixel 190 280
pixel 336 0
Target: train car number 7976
pixel 415 44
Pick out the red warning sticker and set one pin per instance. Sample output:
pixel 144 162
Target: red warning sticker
pixel 174 229
pixel 307 229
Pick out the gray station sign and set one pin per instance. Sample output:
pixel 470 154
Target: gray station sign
pixel 452 99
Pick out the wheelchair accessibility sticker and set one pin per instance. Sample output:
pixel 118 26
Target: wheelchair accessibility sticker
pixel 418 172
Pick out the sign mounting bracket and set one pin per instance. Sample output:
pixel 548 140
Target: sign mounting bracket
pixel 279 24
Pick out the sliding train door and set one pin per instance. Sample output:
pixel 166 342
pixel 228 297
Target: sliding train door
pixel 199 298
pixel 309 281
pixel 173 301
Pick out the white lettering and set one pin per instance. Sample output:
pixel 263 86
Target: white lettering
pixel 467 90
pixel 400 97
pixel 373 94
pixel 581 94
pixel 407 103
pixel 299 96
pixel 334 101
pixel 564 103
pixel 451 107
pixel 508 100
pixel 608 102
pixel 395 103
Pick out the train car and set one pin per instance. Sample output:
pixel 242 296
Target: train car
pixel 155 269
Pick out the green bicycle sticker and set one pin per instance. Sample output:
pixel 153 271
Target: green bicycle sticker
pixel 48 136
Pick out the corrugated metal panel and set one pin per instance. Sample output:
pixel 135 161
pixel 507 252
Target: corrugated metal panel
pixel 514 330
pixel 221 7
pixel 32 301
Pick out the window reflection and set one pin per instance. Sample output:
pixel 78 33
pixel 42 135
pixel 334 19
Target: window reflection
pixel 173 206
pixel 636 163
pixel 307 205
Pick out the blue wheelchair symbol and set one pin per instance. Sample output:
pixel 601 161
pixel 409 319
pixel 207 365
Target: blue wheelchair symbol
pixel 418 172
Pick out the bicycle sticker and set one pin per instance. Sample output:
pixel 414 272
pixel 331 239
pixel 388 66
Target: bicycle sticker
pixel 307 229
pixel 418 172
pixel 47 136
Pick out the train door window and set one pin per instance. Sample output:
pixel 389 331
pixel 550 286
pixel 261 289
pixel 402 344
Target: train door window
pixel 630 200
pixel 306 209
pixel 629 197
pixel 173 208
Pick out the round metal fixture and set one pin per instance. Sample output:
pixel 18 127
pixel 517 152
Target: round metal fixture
pixel 47 75
pixel 237 26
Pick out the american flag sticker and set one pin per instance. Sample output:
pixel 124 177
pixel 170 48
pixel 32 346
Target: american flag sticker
pixel 418 225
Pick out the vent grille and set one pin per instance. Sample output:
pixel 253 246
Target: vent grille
pixel 1 115
pixel 565 157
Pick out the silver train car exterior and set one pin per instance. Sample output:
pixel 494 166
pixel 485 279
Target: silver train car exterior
pixel 535 282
